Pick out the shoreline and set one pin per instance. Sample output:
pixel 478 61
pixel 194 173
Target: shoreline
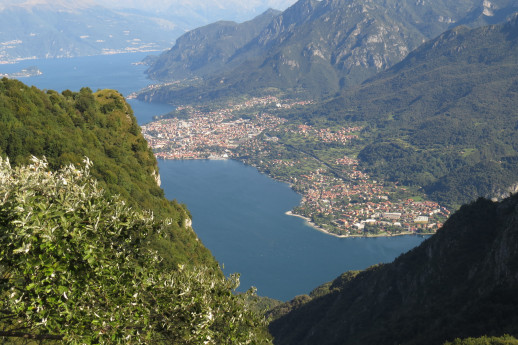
pixel 16 60
pixel 306 219
pixel 316 227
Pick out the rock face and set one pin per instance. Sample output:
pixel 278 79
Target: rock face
pixel 322 46
pixel 209 49
pixel 156 176
pixel 499 195
pixel 459 283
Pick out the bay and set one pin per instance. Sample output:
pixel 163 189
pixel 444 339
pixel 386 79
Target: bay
pixel 238 213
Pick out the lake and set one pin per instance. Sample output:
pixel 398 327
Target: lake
pixel 120 72
pixel 238 213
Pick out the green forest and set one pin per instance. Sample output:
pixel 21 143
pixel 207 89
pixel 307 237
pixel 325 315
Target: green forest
pixel 91 252
pixel 65 128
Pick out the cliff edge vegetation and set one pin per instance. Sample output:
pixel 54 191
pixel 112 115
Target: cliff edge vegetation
pixel 65 128
pixel 76 268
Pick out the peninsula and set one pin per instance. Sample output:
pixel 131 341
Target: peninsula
pixel 24 73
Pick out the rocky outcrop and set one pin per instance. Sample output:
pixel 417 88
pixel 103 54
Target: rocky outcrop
pixel 156 175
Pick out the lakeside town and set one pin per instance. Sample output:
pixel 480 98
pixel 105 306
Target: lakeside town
pixel 24 73
pixel 209 135
pixel 337 196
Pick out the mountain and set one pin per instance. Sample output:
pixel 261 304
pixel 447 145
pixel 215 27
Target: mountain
pixel 445 117
pixel 318 47
pixel 54 29
pixel 207 50
pixel 65 128
pixel 64 28
pixel 91 252
pixel 459 283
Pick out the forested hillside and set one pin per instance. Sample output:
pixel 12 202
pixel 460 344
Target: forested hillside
pixel 459 283
pixel 76 268
pixel 65 128
pixel 91 252
pixel 445 117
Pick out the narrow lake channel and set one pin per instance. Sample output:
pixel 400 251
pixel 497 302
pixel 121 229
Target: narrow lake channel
pixel 238 213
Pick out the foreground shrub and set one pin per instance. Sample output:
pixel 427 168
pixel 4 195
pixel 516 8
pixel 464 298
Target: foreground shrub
pixel 74 267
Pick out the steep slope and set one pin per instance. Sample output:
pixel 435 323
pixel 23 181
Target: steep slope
pixel 445 117
pixel 67 127
pixel 74 269
pixel 318 47
pixel 461 282
pixel 207 50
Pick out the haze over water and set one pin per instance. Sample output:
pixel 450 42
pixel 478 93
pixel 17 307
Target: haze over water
pixel 238 213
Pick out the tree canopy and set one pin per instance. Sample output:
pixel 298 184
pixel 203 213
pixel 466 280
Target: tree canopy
pixel 74 267
pixel 67 127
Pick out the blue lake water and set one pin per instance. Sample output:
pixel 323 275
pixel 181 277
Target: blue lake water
pixel 118 72
pixel 238 213
pixel 240 216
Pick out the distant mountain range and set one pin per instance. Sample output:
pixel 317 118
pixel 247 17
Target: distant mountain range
pixel 196 13
pixel 63 28
pixel 209 50
pixel 60 29
pixel 319 47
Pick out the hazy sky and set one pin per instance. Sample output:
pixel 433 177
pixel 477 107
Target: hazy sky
pixel 152 5
pixel 187 12
pixel 202 11
pixel 160 5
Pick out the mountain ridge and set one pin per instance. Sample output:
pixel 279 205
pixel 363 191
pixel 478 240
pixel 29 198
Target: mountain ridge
pixel 193 55
pixel 438 105
pixel 65 128
pixel 320 47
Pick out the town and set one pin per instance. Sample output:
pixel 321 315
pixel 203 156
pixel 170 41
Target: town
pixel 337 196
pixel 210 135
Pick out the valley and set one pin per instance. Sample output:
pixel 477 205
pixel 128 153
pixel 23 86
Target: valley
pixel 368 161
pixel 257 240
pixel 337 196
pixel 387 125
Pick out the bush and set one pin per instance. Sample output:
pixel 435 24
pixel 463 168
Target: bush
pixel 504 340
pixel 74 267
